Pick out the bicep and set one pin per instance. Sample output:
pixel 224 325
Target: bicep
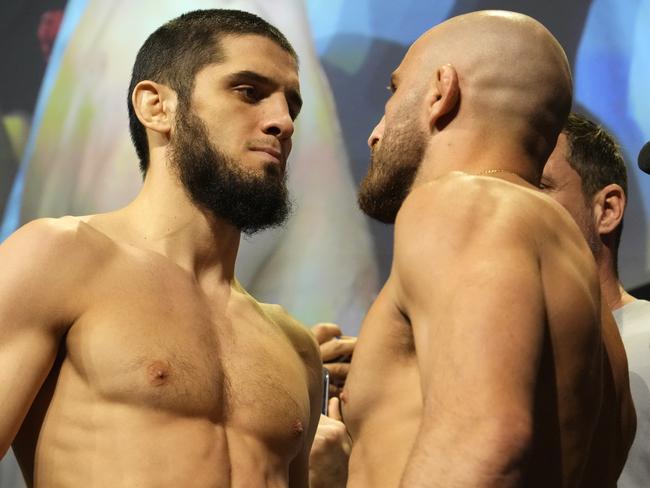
pixel 28 331
pixel 26 357
pixel 478 323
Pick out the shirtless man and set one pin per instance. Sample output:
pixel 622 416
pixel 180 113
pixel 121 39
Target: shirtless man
pixel 130 355
pixel 504 370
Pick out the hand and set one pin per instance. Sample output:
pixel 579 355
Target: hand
pixel 328 459
pixel 336 351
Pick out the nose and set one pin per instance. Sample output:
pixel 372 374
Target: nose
pixel 376 133
pixel 279 122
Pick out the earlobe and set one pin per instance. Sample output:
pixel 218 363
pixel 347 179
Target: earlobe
pixel 447 97
pixel 154 105
pixel 609 208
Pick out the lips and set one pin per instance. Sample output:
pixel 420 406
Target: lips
pixel 274 153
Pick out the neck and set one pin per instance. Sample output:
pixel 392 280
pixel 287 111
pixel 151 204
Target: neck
pixel 467 152
pixel 610 287
pixel 164 219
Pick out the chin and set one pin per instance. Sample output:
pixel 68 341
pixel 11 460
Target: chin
pixel 273 170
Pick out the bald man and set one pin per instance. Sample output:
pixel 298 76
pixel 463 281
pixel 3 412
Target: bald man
pixel 505 370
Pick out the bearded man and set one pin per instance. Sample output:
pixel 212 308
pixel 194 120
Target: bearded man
pixel 488 358
pixel 131 356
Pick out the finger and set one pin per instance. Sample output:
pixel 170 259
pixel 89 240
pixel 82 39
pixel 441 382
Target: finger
pixel 326 331
pixel 338 372
pixel 334 409
pixel 336 348
pixel 335 391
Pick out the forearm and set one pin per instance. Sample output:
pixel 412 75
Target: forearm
pixel 469 456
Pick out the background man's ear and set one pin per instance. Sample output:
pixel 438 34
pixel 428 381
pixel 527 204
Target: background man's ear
pixel 609 206
pixel 154 105
pixel 444 103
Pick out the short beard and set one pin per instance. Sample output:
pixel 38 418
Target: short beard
pixel 393 166
pixel 588 229
pixel 215 182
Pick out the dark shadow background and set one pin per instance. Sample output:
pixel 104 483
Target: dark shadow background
pixel 27 31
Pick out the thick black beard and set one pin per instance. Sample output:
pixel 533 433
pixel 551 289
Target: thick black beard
pixel 216 183
pixel 392 171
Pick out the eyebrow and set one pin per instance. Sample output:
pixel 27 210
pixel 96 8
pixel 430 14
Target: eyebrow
pixel 393 81
pixel 548 180
pixel 251 76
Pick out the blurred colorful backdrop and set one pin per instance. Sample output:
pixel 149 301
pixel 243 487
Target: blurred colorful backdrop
pixel 65 148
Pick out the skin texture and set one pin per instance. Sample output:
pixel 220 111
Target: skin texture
pixel 487 359
pixel 328 461
pixel 131 355
pixel 336 352
pixel 597 217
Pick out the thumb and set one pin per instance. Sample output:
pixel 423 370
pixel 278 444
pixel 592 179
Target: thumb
pixel 325 331
pixel 334 409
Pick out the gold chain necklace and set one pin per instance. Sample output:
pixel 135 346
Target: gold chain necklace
pixel 493 171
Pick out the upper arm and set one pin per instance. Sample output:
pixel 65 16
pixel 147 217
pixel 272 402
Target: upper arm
pixel 32 317
pixel 471 288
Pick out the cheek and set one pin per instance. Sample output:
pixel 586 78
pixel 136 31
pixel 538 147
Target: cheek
pixel 562 199
pixel 577 210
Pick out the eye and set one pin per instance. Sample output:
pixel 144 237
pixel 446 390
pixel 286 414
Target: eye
pixel 249 93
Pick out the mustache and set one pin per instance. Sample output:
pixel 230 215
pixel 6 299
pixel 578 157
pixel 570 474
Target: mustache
pixel 271 142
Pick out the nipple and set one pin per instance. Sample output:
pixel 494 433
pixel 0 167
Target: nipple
pixel 158 372
pixel 297 428
pixel 344 396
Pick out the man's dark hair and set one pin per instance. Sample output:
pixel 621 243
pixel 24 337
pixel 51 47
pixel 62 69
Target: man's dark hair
pixel 596 157
pixel 176 51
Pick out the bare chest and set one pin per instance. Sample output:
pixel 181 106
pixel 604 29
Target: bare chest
pixel 156 342
pixel 383 378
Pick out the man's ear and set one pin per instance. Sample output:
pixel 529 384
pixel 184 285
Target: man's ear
pixel 609 207
pixel 154 105
pixel 446 97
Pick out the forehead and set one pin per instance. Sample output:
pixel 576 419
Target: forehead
pixel 258 54
pixel 415 59
pixel 557 163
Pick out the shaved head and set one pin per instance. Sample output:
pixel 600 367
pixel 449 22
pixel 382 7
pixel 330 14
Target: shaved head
pixel 513 74
pixel 494 85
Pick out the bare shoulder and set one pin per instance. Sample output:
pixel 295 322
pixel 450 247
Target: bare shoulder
pixel 64 242
pixel 459 212
pixel 45 265
pixel 43 233
pixel 299 335
pixel 463 207
pixel 44 244
pixel 484 224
